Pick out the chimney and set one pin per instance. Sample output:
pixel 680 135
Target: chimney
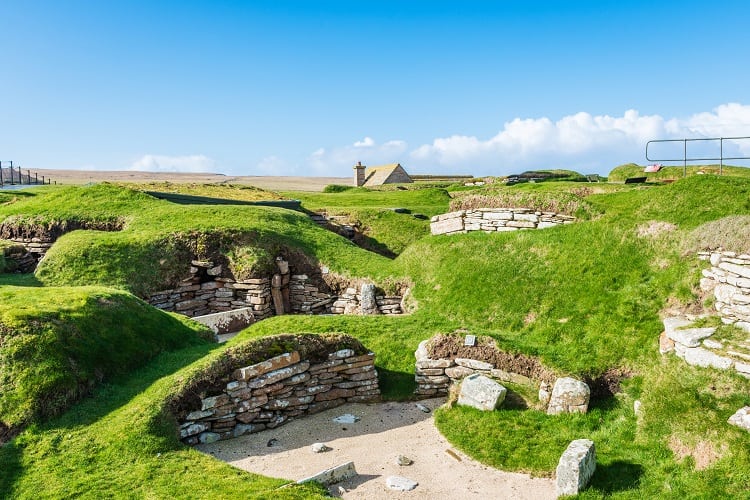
pixel 359 174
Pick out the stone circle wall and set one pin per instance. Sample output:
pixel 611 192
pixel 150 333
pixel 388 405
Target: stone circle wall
pixel 267 394
pixel 729 280
pixel 496 219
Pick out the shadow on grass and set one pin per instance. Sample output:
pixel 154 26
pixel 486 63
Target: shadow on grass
pixel 20 279
pixel 104 400
pixel 616 476
pixel 394 385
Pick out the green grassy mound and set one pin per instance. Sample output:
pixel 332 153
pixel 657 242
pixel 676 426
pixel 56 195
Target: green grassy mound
pixel 58 343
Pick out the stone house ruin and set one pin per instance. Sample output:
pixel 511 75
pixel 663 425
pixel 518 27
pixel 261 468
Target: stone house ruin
pixel 393 173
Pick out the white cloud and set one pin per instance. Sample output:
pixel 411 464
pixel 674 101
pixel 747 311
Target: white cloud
pixel 163 163
pixel 338 160
pixel 581 142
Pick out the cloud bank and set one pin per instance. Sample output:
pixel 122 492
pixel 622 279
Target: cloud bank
pixel 162 163
pixel 583 142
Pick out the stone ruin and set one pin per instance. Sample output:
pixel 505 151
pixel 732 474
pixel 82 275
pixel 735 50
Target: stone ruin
pixel 268 393
pixel 206 292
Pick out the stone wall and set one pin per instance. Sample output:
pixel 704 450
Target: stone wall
pixel 205 292
pixel 496 219
pixel 18 259
pixel 434 377
pixel 267 394
pixel 729 280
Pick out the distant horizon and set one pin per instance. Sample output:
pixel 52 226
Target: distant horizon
pixel 309 88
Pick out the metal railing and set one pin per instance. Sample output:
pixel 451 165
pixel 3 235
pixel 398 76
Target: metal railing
pixel 685 157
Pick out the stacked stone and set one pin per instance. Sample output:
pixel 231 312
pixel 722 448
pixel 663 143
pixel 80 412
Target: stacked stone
pixel 697 348
pixel 350 302
pixel 206 292
pixel 36 246
pixel 729 280
pixel 269 393
pixel 306 297
pixel 435 376
pixel 256 292
pixel 496 219
pixel 18 258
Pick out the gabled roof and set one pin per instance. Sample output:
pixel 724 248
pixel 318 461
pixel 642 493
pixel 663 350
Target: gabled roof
pixel 378 175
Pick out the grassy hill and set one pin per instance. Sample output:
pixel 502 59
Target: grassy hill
pixel 584 298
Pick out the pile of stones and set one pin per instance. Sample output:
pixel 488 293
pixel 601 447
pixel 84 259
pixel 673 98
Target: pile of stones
pixel 729 280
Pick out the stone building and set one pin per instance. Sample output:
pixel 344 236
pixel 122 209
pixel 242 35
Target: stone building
pixel 393 173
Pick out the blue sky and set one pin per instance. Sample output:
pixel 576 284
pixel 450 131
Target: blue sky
pixel 309 88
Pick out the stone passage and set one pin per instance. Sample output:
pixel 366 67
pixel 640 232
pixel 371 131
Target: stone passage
pixel 729 280
pixel 496 219
pixel 267 394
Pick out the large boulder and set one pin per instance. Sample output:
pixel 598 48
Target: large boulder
pixel 481 392
pixel 576 466
pixel 569 396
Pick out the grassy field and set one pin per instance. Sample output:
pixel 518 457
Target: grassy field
pixel 584 298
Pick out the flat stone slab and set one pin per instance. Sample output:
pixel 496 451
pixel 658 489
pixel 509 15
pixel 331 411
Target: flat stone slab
pixel 698 356
pixel 576 466
pixel 400 483
pixel 227 321
pixel 481 392
pixel 691 337
pixel 741 418
pixel 333 475
pixel 347 418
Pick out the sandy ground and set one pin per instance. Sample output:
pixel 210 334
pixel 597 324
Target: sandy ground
pixel 385 431
pixel 272 183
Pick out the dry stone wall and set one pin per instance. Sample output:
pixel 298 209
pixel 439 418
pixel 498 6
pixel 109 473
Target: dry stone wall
pixel 496 219
pixel 267 394
pixel 729 280
pixel 206 292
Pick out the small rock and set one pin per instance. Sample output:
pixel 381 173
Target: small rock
pixel 347 418
pixel 272 442
pixel 320 448
pixel 423 408
pixel 342 490
pixel 637 407
pixel 400 483
pixel 741 418
pixel 403 460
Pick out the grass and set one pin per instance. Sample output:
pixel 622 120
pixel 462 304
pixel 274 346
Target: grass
pixel 584 298
pixel 674 172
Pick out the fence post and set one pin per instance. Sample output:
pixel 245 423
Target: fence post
pixel 1 174
pixel 721 154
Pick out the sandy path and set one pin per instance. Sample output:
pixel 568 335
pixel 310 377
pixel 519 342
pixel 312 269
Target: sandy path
pixel 384 432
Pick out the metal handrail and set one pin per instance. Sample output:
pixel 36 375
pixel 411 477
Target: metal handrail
pixel 685 158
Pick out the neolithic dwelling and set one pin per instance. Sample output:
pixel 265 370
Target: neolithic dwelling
pixel 377 176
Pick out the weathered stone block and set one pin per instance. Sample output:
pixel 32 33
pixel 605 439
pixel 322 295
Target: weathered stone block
pixel 576 467
pixel 434 363
pixel 447 226
pixel 481 392
pixel 278 375
pixel 474 364
pixel 698 356
pixel 274 363
pixel 333 475
pixel 569 396
pixel 457 372
pixel 741 418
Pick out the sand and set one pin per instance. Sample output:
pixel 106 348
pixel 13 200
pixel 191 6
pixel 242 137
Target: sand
pixel 385 431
